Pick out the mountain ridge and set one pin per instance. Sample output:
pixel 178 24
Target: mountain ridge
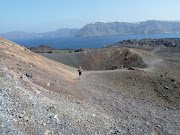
pixel 17 35
pixel 121 28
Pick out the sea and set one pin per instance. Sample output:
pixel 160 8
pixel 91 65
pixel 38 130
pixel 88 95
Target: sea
pixel 88 42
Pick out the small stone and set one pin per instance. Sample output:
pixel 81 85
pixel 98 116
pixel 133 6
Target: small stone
pixel 173 80
pixel 15 123
pixel 130 68
pixel 26 118
pixel 56 116
pixel 21 115
pixel 44 124
pixel 166 87
pixel 48 132
pixel 154 131
pixel 48 84
pixel 28 75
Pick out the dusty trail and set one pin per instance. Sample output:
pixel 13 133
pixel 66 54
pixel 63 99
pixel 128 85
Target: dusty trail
pixel 132 115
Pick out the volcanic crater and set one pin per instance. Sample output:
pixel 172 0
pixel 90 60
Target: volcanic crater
pixel 100 59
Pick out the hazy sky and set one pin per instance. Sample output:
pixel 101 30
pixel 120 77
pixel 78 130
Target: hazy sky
pixel 50 15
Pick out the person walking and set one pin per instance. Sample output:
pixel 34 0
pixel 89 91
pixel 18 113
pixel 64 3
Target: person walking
pixel 80 72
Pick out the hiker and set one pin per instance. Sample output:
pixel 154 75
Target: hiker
pixel 80 72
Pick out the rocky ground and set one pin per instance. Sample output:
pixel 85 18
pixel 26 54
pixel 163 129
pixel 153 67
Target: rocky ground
pixel 40 96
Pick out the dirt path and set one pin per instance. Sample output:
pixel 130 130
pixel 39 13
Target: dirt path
pixel 131 115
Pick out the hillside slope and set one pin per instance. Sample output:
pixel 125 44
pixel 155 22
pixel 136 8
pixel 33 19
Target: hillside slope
pixel 40 96
pixel 40 70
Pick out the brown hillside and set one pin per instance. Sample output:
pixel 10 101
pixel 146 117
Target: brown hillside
pixel 21 63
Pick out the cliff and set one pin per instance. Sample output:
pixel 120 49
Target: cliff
pixel 119 28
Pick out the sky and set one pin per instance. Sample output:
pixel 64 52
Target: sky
pixel 49 15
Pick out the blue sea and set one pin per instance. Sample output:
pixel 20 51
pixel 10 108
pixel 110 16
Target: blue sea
pixel 87 42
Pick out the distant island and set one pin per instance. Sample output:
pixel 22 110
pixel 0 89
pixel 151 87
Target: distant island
pixel 19 35
pixel 102 29
pixel 122 28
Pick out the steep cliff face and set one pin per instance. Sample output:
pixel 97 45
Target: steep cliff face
pixel 101 28
pixel 118 28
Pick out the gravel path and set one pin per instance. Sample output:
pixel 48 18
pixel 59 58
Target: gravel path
pixel 132 116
